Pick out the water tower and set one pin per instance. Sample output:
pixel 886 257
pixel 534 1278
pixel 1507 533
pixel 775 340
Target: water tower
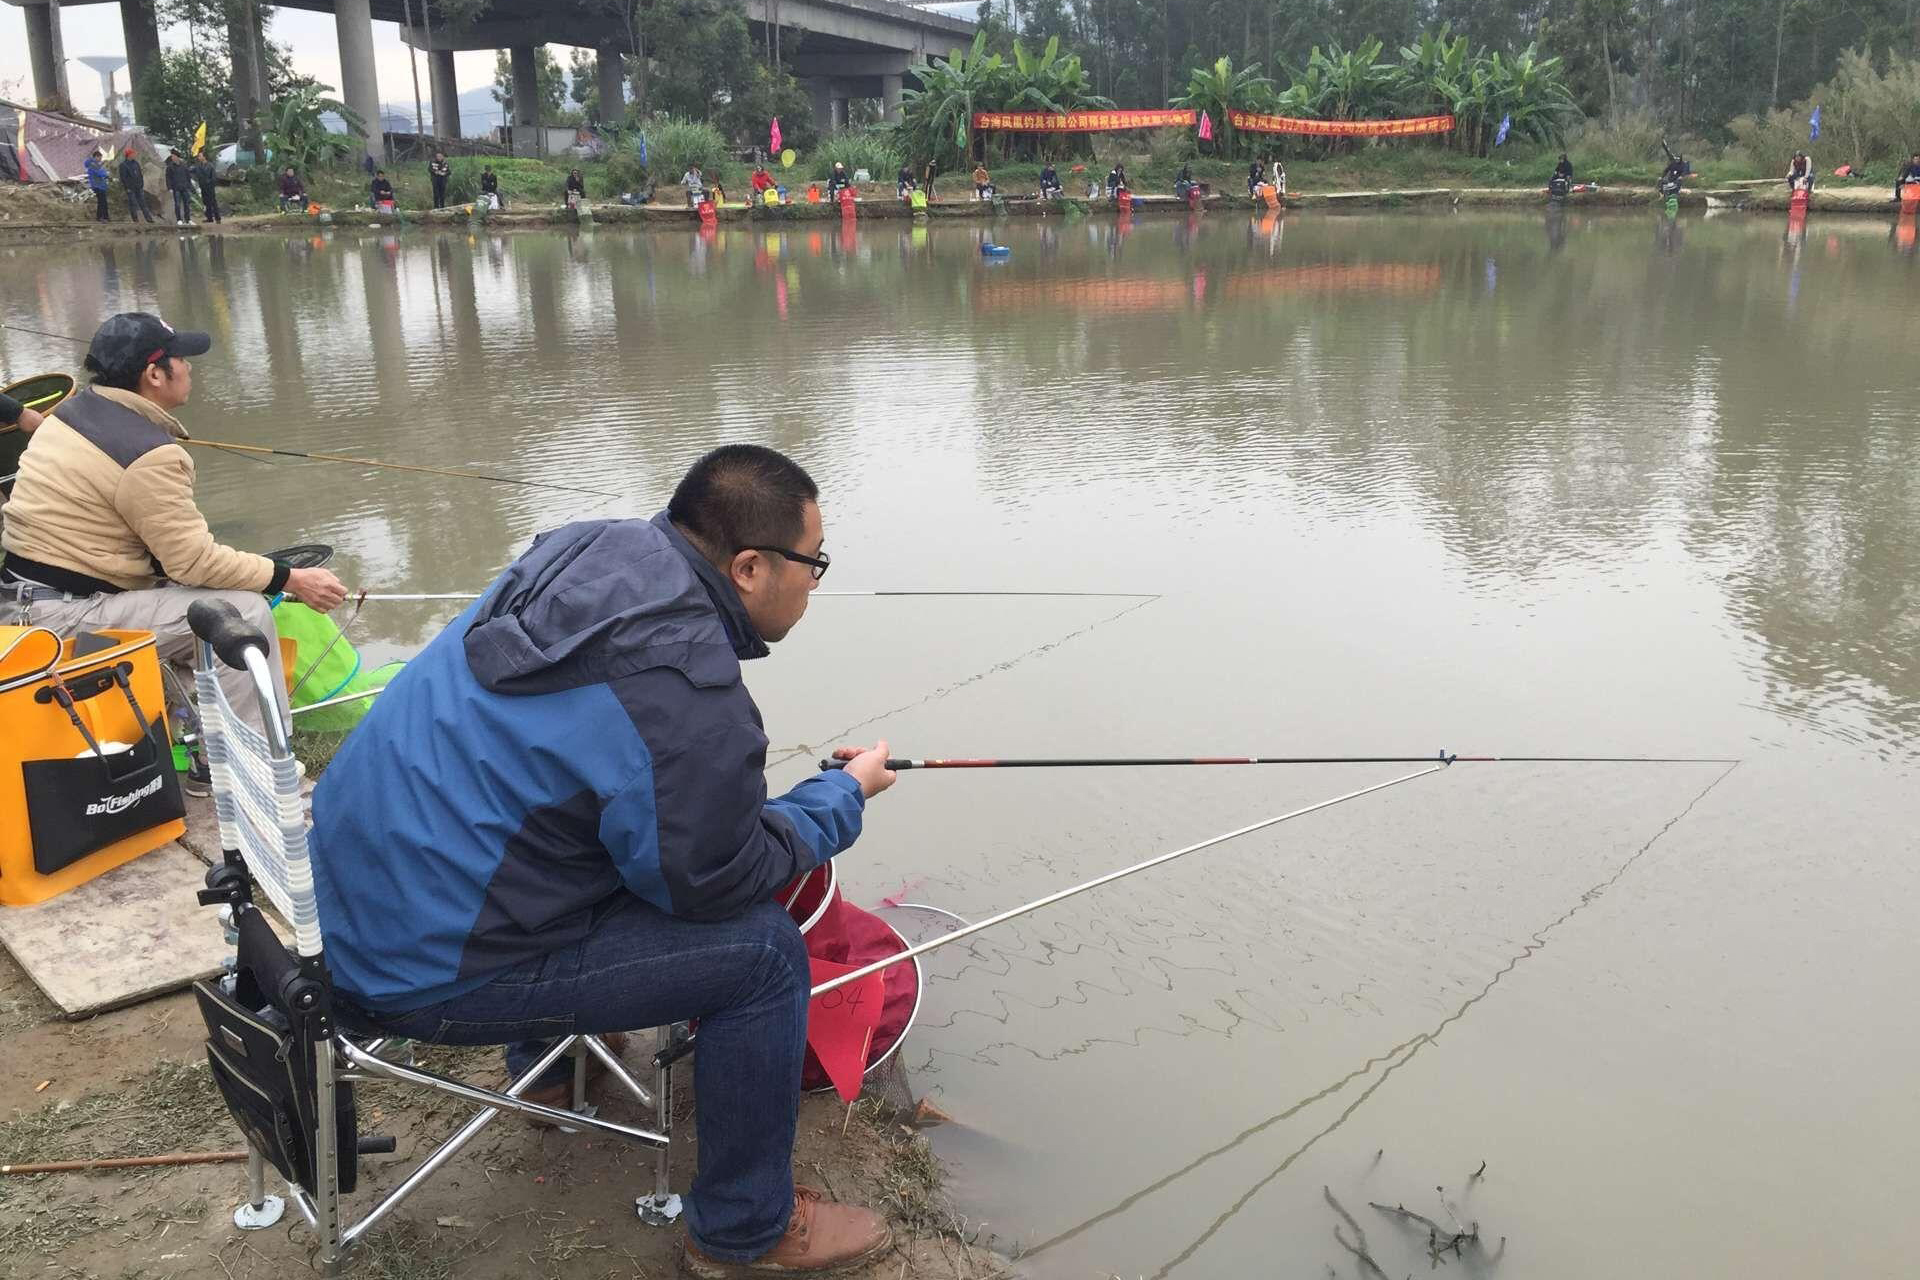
pixel 106 64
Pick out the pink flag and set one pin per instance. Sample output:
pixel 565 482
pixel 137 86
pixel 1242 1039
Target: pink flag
pixel 1206 127
pixel 773 143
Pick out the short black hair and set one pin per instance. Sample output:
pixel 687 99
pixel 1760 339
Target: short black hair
pixel 124 379
pixel 743 495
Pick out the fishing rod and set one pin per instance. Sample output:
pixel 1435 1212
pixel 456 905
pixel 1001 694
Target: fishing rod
pixel 1061 895
pixel 336 457
pixel 42 333
pixel 392 597
pixel 682 1047
pixel 398 466
pixel 1156 762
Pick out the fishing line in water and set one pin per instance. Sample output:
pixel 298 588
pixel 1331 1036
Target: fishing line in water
pixel 1157 860
pixel 427 596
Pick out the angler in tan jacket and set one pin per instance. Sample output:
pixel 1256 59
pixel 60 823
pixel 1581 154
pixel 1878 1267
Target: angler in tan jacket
pixel 102 529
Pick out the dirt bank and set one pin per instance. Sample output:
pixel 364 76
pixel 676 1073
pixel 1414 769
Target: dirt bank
pixel 517 1202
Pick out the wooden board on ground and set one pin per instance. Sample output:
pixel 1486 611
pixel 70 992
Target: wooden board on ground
pixel 134 933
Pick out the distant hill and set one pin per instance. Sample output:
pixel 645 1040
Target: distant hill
pixel 479 113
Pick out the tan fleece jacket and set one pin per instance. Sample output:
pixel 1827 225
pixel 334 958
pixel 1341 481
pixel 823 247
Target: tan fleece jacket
pixel 106 489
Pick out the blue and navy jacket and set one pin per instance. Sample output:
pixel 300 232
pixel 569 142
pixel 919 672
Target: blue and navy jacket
pixel 96 175
pixel 580 733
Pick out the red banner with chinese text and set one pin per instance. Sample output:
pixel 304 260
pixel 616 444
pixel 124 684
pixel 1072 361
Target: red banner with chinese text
pixel 1080 121
pixel 1253 123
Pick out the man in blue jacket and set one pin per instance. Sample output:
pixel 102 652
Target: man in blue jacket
pixel 555 820
pixel 97 183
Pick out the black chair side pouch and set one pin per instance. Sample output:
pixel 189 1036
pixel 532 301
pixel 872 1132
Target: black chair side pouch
pixel 264 1069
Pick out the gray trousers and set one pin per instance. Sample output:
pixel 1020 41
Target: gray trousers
pixel 163 611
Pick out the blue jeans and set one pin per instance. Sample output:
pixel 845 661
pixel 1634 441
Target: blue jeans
pixel 745 979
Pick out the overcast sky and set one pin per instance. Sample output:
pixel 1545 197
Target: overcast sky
pixel 95 29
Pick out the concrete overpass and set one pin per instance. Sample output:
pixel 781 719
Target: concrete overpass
pixel 840 49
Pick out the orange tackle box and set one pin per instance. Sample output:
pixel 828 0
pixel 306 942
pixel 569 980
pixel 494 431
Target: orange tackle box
pixel 86 767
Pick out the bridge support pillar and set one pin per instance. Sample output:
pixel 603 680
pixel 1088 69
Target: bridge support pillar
pixel 246 80
pixel 821 90
pixel 526 101
pixel 141 31
pixel 47 54
pixel 890 89
pixel 359 82
pixel 612 72
pixel 829 104
pixel 445 86
pixel 259 55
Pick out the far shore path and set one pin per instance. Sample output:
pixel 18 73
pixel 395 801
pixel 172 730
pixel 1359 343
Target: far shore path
pixel 1756 196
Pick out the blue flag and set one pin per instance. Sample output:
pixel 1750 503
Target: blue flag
pixel 1814 135
pixel 643 151
pixel 1506 123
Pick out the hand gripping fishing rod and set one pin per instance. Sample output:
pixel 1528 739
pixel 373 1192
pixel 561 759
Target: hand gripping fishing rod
pixel 681 1048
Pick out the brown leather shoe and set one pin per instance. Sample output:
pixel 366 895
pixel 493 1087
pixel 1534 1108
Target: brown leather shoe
pixel 560 1095
pixel 823 1238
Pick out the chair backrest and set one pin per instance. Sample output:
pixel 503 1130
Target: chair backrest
pixel 256 796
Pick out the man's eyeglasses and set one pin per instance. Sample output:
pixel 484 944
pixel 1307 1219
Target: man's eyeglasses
pixel 816 564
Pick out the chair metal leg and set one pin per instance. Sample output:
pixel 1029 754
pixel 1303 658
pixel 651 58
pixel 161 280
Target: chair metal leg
pixel 326 1162
pixel 662 1207
pixel 261 1210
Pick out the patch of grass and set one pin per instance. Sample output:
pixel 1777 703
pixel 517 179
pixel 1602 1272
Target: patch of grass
pixel 315 747
pixel 174 1107
pixel 404 1251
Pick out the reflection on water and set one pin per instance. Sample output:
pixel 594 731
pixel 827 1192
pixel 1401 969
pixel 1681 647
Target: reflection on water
pixel 1536 481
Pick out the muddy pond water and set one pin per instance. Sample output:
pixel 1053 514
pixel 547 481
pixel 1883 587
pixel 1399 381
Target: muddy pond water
pixel 1515 484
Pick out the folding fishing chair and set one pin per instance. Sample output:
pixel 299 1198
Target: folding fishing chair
pixel 279 1053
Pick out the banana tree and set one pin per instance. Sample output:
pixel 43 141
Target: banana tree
pixel 1528 91
pixel 1218 90
pixel 936 117
pixel 1358 85
pixel 1430 69
pixel 1049 83
pixel 1535 95
pixel 292 128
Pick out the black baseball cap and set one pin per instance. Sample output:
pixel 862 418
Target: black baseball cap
pixel 132 340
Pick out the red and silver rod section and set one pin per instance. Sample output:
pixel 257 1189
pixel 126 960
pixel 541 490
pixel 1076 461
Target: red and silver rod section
pixel 1158 762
